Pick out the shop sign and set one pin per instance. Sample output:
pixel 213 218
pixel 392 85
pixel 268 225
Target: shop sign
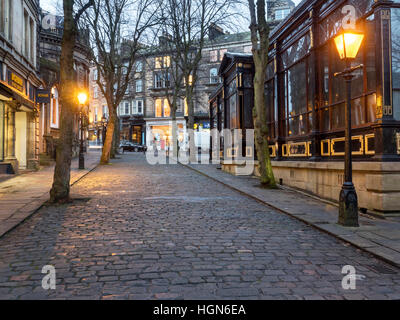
pixel 17 82
pixel 43 96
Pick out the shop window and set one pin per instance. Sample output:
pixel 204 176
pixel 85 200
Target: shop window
pixel 396 61
pixel 296 99
pixel 233 112
pixel 270 107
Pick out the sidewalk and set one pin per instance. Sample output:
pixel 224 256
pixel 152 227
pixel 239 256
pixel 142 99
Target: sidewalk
pixel 23 195
pixel 379 237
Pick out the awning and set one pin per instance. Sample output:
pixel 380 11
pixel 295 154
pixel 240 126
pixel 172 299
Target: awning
pixel 12 95
pixel 5 93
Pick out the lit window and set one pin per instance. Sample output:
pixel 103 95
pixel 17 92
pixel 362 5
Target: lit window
pixel 167 109
pixel 167 61
pixel 186 107
pixel 214 56
pixel 158 63
pixel 222 53
pixel 158 108
pixel 190 80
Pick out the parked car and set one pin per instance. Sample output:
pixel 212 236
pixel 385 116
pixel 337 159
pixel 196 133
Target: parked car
pixel 132 147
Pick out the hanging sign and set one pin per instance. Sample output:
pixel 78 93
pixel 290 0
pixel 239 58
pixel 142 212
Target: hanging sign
pixel 43 96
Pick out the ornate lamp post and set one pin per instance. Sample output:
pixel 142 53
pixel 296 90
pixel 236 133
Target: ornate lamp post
pixel 82 98
pixel 348 44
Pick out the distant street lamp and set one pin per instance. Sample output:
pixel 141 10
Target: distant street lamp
pixel 348 44
pixel 82 98
pixel 104 126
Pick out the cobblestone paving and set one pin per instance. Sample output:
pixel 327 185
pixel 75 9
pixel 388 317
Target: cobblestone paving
pixel 165 232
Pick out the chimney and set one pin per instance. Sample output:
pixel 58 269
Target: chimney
pixel 164 39
pixel 214 31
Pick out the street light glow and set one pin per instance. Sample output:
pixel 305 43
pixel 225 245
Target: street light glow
pixel 348 44
pixel 82 98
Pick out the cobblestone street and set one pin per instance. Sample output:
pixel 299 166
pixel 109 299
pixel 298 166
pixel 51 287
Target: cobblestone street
pixel 138 231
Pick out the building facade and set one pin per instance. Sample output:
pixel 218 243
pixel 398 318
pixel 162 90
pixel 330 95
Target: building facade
pixel 50 35
pixel 306 102
pixel 19 80
pixel 98 110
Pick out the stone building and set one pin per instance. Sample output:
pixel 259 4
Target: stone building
pixel 51 31
pixel 98 110
pixel 145 112
pixel 278 10
pixel 19 81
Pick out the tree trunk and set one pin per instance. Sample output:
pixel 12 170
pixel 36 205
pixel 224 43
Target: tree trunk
pixel 190 126
pixel 261 129
pixel 106 154
pixel 116 139
pixel 60 190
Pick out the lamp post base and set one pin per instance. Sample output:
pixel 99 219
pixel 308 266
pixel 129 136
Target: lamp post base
pixel 348 206
pixel 81 161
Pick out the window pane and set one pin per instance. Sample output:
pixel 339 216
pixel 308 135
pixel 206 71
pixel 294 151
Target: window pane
pixel 233 112
pixel 338 116
pixel 167 108
pixel 358 112
pixel 396 61
pixel 297 90
pixel 370 45
pixel 158 108
pixel 325 120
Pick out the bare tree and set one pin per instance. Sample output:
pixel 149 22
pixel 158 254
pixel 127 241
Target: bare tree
pixel 260 44
pixel 117 28
pixel 60 190
pixel 187 22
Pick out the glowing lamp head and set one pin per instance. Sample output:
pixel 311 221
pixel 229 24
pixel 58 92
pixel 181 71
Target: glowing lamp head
pixel 82 98
pixel 348 44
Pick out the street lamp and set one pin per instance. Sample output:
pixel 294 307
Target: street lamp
pixel 82 98
pixel 348 44
pixel 103 123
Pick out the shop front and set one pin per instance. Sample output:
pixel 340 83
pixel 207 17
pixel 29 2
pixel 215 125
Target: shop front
pixel 305 102
pixel 159 134
pixel 18 125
